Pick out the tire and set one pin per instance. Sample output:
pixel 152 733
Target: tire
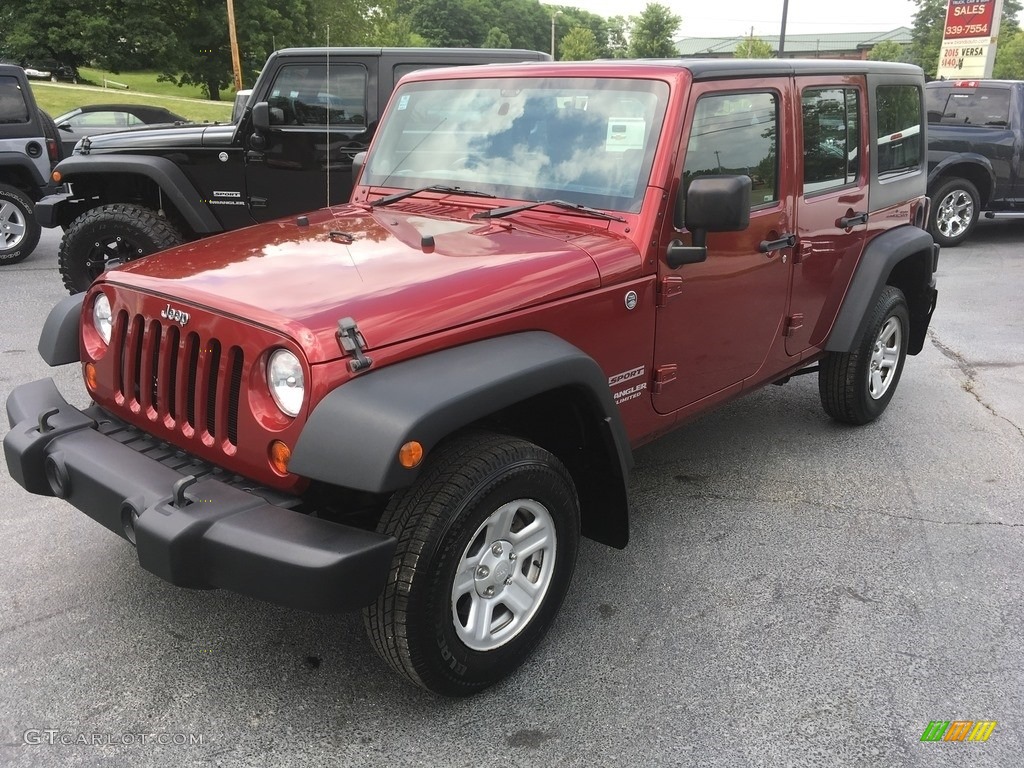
pixel 109 236
pixel 19 230
pixel 489 512
pixel 855 387
pixel 956 208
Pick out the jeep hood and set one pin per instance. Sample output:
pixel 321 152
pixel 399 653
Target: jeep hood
pixel 165 137
pixel 399 275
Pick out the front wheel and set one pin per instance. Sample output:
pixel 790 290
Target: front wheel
pixel 19 230
pixel 487 541
pixel 956 208
pixel 109 236
pixel 855 387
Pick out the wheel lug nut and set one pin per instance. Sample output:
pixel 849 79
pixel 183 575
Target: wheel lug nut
pixel 508 581
pixel 489 591
pixel 512 556
pixel 496 550
pixel 483 572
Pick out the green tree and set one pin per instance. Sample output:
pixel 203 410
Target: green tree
pixel 497 39
pixel 619 28
pixel 1010 56
pixel 652 33
pixel 887 50
pixel 753 48
pixel 579 45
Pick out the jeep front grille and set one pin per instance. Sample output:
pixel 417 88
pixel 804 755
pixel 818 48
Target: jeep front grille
pixel 189 383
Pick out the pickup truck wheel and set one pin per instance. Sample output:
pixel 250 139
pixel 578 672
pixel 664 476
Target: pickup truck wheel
pixel 109 236
pixel 955 210
pixel 855 387
pixel 487 541
pixel 19 230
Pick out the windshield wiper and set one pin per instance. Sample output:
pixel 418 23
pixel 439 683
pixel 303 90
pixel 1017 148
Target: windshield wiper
pixel 498 213
pixel 389 199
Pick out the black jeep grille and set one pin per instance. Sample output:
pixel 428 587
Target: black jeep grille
pixel 168 374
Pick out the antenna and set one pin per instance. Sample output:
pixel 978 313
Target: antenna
pixel 328 137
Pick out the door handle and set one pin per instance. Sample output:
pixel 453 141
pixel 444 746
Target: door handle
pixel 852 220
pixel 786 241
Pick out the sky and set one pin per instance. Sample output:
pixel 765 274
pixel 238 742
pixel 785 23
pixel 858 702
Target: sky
pixel 727 18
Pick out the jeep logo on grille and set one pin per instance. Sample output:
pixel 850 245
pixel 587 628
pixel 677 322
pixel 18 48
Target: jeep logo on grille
pixel 174 315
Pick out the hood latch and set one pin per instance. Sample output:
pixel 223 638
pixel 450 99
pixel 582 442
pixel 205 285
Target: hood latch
pixel 352 341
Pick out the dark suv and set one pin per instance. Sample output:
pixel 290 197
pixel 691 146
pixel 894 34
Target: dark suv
pixel 128 195
pixel 28 150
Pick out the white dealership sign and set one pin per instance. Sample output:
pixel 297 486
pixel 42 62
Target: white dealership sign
pixel 969 39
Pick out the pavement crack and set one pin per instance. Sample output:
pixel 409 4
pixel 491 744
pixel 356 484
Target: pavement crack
pixel 970 373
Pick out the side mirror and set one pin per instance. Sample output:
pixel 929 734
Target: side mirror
pixel 711 204
pixel 261 116
pixel 358 159
pixel 66 127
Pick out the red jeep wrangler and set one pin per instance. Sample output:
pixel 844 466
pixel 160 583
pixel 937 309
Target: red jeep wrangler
pixel 417 403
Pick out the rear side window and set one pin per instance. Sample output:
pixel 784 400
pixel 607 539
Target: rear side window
pixel 898 112
pixel 305 94
pixel 981 106
pixel 735 133
pixel 831 122
pixel 13 109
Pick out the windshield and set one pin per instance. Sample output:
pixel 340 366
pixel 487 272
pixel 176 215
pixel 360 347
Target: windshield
pixel 582 140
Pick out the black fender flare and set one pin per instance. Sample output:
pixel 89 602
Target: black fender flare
pixel 58 341
pixel 11 159
pixel 881 257
pixel 353 435
pixel 982 163
pixel 164 173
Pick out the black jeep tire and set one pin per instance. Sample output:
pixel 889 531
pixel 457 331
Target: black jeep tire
pixel 109 236
pixel 855 387
pixel 955 210
pixel 487 541
pixel 19 230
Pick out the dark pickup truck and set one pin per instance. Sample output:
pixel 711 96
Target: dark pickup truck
pixel 975 154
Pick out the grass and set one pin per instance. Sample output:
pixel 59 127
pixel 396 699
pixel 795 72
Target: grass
pixel 143 88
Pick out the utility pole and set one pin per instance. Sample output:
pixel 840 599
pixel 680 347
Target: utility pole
pixel 553 15
pixel 233 37
pixel 782 34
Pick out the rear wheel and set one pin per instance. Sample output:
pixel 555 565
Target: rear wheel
pixel 487 541
pixel 109 236
pixel 19 230
pixel 855 387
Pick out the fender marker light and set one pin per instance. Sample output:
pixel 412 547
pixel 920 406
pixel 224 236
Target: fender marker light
pixel 410 454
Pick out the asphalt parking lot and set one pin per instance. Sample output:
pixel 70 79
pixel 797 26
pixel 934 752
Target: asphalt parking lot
pixel 796 593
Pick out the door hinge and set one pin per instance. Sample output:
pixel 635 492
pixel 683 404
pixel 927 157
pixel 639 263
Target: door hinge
pixel 800 251
pixel 258 202
pixel 670 285
pixel 663 375
pixel 793 322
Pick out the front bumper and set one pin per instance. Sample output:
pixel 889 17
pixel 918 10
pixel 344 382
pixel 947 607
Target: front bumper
pixel 46 209
pixel 204 534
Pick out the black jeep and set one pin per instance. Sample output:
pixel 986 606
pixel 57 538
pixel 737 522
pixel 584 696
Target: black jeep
pixel 131 194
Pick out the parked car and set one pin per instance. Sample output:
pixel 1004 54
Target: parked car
pixel 37 74
pixel 94 119
pixel 975 154
pixel 417 403
pixel 130 194
pixel 28 151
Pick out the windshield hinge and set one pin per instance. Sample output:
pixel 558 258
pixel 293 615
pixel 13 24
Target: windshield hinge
pixel 352 341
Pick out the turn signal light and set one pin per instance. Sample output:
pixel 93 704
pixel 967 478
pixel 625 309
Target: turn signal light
pixel 91 377
pixel 410 454
pixel 280 455
pixel 56 176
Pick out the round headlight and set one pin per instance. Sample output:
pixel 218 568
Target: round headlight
pixel 102 317
pixel 286 382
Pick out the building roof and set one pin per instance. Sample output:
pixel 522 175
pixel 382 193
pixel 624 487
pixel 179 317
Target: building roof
pixel 795 44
